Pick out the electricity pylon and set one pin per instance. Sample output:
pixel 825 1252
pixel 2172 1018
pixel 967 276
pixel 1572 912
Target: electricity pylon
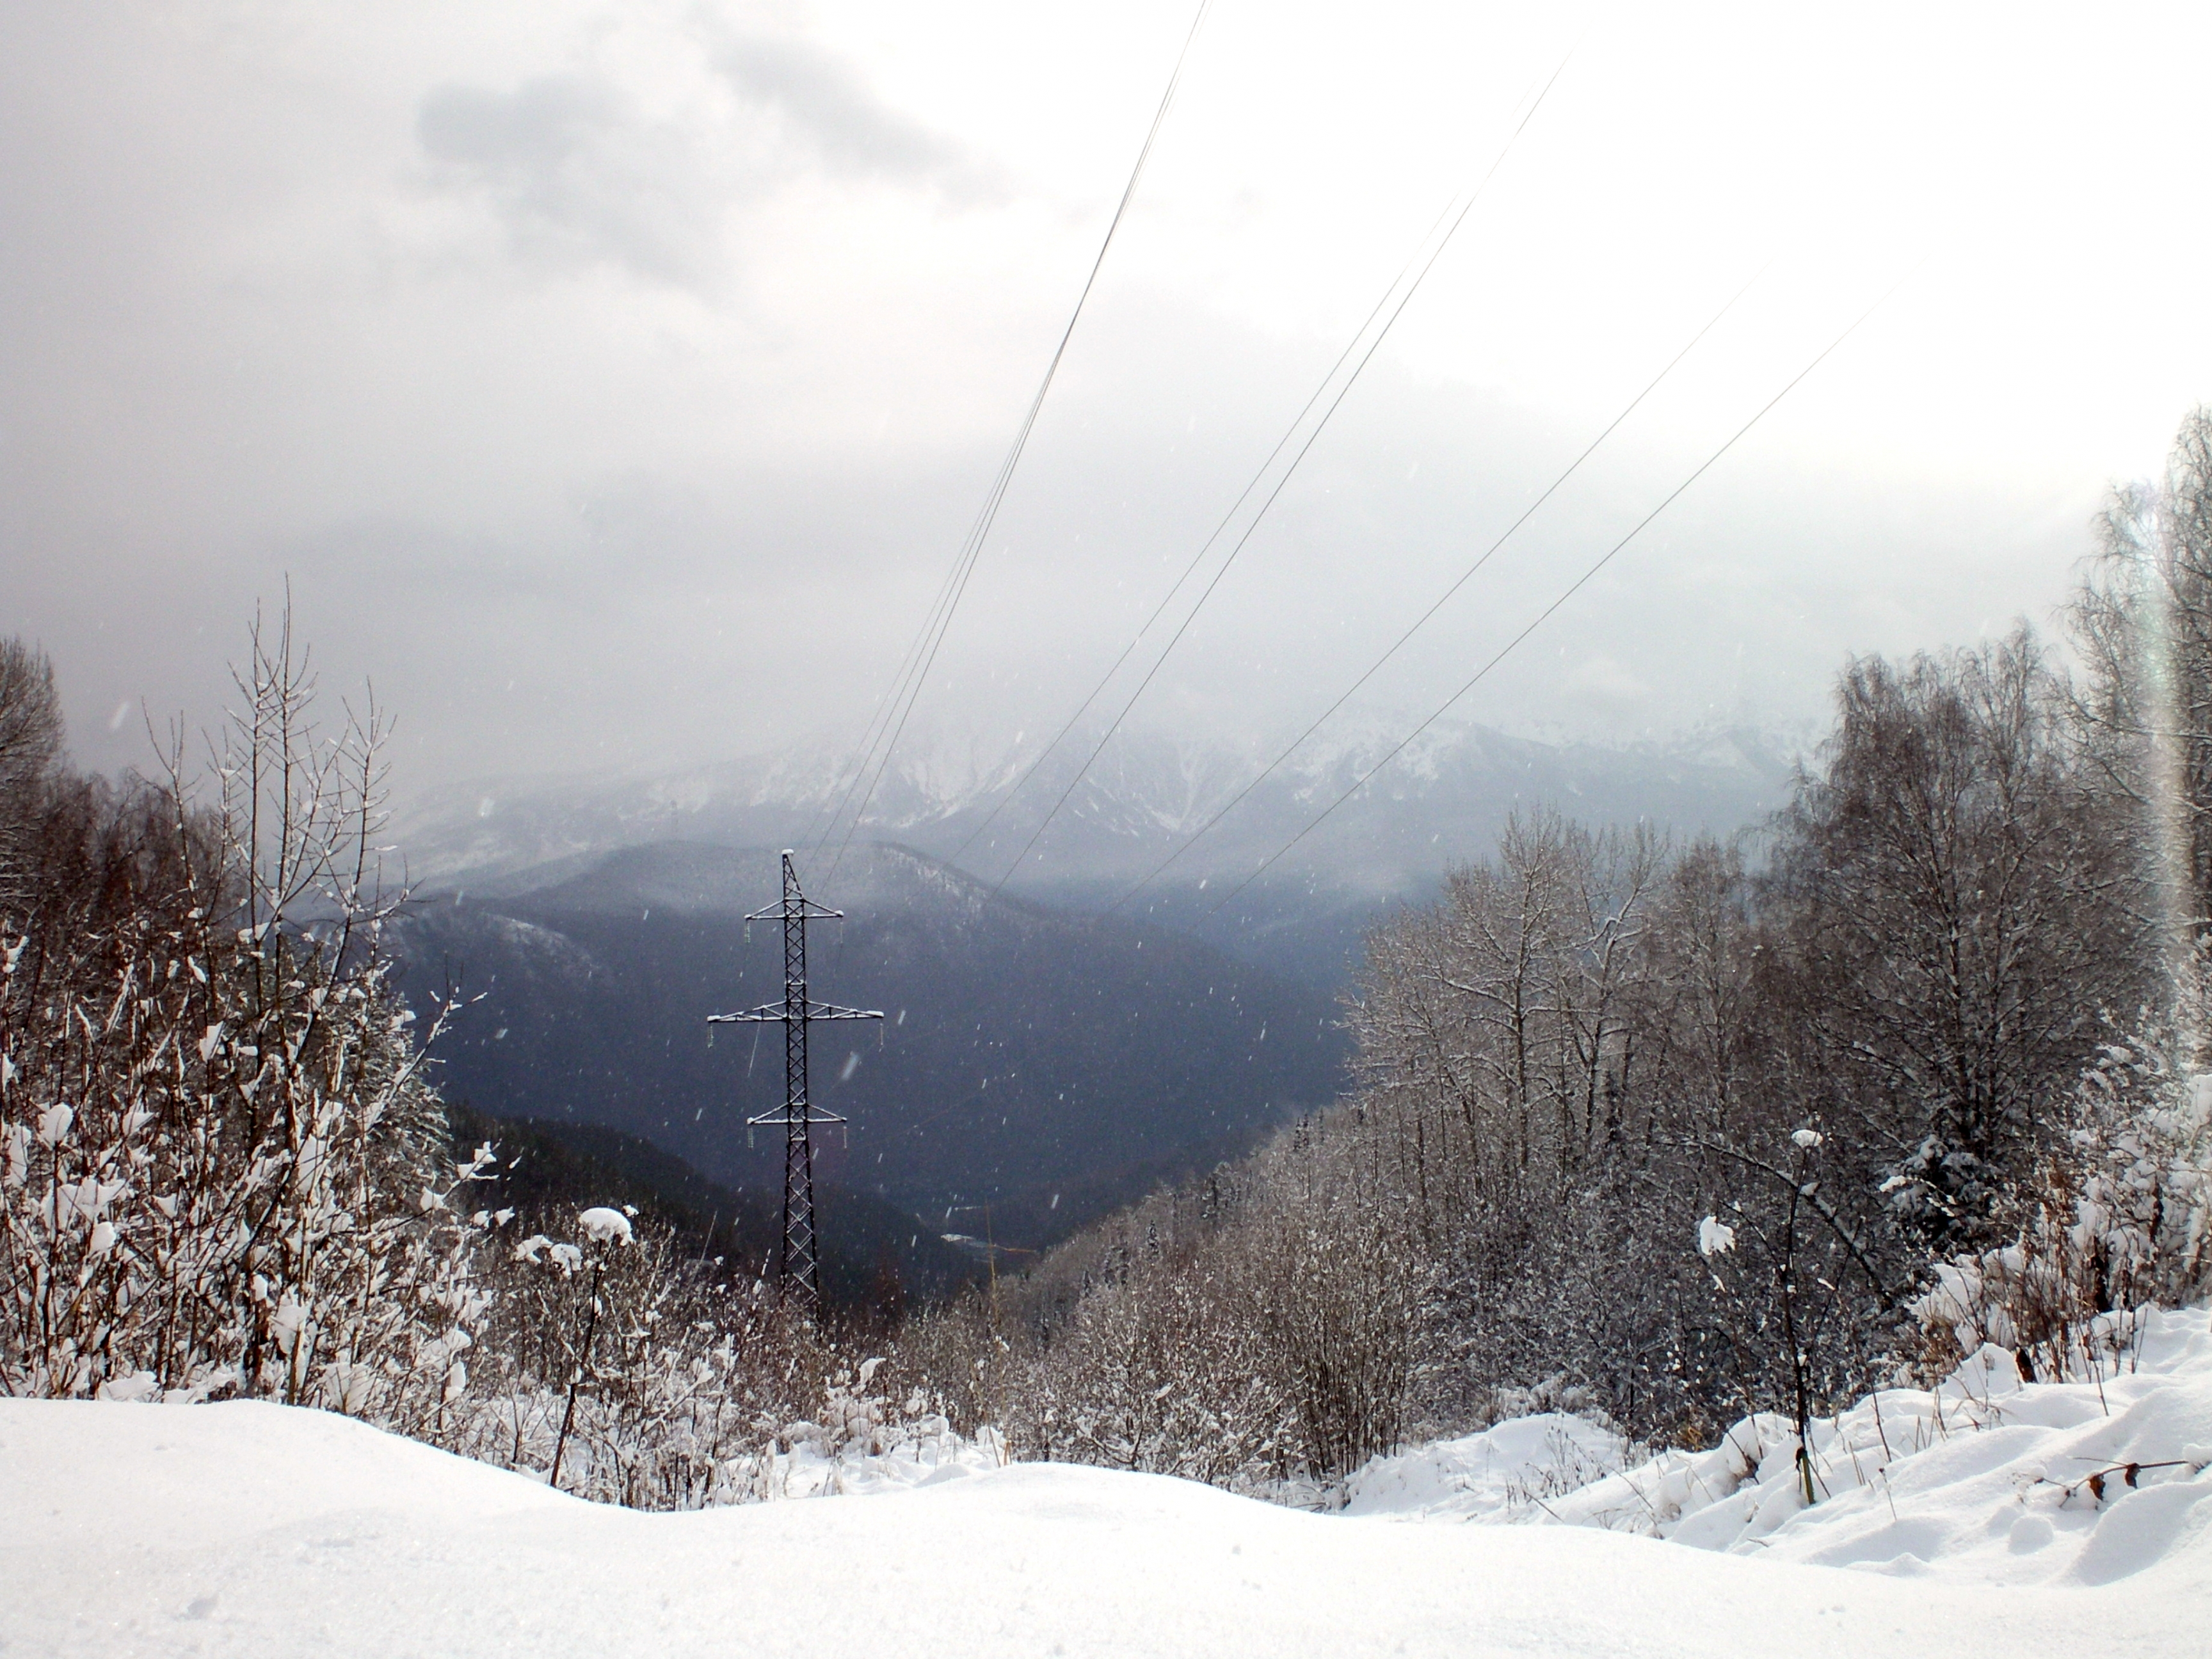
pixel 798 1267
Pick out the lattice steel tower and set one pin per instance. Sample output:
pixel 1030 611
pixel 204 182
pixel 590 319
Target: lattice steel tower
pixel 798 1267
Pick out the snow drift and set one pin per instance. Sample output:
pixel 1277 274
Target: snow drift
pixel 1987 1479
pixel 130 1529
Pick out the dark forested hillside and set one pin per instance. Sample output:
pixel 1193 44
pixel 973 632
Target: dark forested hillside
pixel 1046 1064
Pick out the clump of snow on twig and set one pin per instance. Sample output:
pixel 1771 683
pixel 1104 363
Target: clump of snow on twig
pixel 605 1227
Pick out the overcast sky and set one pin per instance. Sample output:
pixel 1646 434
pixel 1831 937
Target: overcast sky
pixel 614 383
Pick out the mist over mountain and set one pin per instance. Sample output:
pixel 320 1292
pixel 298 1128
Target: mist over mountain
pixel 1045 1063
pixel 1441 802
pixel 1050 1048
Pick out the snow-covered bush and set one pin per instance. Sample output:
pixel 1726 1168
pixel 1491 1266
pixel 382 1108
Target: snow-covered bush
pixel 2119 1219
pixel 1162 1366
pixel 1264 1325
pixel 610 1363
pixel 224 1171
pixel 221 1171
pixel 623 1370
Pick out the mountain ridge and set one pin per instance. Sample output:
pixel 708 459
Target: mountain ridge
pixel 1442 804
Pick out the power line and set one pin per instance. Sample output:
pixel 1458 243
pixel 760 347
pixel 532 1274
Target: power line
pixel 1443 598
pixel 1311 437
pixel 878 717
pixel 1544 615
pixel 964 564
pixel 889 700
pixel 1227 518
pixel 819 829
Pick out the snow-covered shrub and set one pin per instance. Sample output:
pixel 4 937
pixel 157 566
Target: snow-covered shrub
pixel 1345 1293
pixel 1263 1325
pixel 636 1375
pixel 615 1364
pixel 1163 1367
pixel 2118 1218
pixel 626 1372
pixel 2139 1180
pixel 221 1170
pixel 224 1171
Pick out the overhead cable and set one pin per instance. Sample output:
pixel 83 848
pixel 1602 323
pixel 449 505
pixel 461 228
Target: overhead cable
pixel 907 689
pixel 1198 558
pixel 1573 588
pixel 1288 472
pixel 1422 621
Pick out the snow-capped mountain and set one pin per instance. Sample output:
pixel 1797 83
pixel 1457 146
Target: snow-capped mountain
pixel 1024 821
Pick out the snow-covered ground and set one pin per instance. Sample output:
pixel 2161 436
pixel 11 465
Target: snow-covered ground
pixel 255 1530
pixel 1984 1480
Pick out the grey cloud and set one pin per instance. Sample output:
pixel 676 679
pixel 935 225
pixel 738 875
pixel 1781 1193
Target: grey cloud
pixel 524 136
pixel 853 133
pixel 577 175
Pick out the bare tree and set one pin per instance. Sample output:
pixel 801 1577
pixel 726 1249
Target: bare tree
pixel 30 744
pixel 1949 892
pixel 2142 625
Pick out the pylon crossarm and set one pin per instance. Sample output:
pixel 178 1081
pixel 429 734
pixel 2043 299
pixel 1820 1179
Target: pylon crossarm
pixel 766 1011
pixel 804 910
pixel 780 1120
pixel 769 1012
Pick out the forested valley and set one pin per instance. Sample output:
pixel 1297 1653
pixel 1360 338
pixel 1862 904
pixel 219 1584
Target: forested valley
pixel 1665 1129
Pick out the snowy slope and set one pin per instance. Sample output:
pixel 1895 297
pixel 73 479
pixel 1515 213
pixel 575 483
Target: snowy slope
pixel 1985 1480
pixel 255 1530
